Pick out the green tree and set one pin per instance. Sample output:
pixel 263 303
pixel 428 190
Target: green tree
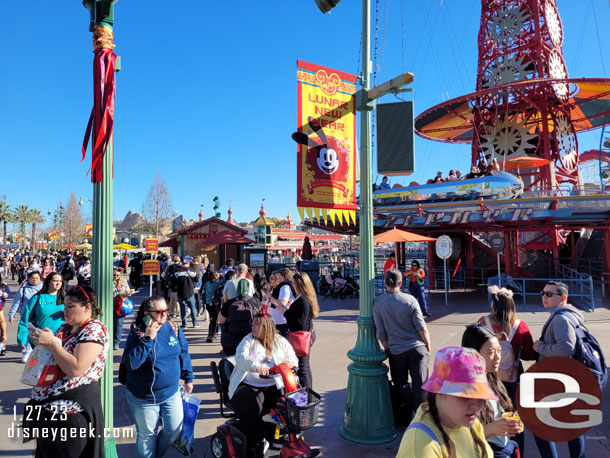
pixel 6 216
pixel 22 216
pixel 36 217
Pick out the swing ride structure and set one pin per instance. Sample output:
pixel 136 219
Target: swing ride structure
pixel 525 105
pixel 525 110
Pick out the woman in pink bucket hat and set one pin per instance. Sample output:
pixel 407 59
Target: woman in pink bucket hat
pixel 447 424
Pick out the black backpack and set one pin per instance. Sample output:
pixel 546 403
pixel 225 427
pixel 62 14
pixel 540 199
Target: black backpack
pixel 241 314
pixel 217 297
pixel 67 273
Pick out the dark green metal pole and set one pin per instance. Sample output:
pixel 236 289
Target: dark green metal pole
pixel 102 14
pixel 368 410
pixel 101 278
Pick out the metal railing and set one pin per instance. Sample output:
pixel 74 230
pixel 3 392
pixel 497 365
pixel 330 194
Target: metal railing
pixel 551 267
pixel 580 285
pixel 592 267
pixel 454 281
pixel 581 289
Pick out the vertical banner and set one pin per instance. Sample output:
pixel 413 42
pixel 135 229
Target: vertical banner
pixel 88 230
pixel 326 138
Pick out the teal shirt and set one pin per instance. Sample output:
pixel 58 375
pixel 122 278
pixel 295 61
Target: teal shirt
pixel 210 287
pixel 43 312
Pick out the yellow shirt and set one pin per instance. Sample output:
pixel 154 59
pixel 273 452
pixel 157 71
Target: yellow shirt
pixel 418 443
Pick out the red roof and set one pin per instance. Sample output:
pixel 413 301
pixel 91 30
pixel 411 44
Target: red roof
pixel 170 243
pixel 326 237
pixel 225 237
pixel 299 248
pixel 213 219
pixel 300 235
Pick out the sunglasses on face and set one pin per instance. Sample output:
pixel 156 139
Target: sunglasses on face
pixel 160 312
pixel 549 293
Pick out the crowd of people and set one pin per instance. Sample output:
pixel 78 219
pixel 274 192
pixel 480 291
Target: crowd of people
pixel 483 168
pixel 254 315
pixel 459 409
pixel 456 409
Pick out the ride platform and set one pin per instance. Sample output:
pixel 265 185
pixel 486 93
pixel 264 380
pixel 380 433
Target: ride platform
pixel 532 211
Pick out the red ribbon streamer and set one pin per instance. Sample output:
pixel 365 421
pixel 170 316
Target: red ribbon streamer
pixel 457 266
pixel 102 113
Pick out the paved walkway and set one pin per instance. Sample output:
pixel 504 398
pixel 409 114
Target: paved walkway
pixel 336 332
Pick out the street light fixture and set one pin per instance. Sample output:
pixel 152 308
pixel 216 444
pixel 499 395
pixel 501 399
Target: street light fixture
pixel 101 12
pixel 81 202
pixel 326 5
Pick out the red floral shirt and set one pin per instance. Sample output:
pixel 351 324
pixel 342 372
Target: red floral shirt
pixel 93 331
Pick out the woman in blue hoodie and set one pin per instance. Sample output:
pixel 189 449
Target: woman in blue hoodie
pixel 156 358
pixel 44 309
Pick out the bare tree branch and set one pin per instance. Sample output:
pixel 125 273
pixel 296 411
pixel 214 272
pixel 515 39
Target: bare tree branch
pixel 74 226
pixel 157 206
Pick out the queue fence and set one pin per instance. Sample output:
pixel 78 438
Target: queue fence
pixel 581 289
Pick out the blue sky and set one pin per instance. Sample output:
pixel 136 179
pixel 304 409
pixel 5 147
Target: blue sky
pixel 207 91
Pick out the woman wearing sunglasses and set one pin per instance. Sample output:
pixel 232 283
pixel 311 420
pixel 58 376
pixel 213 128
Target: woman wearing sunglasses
pixel 72 402
pixel 156 357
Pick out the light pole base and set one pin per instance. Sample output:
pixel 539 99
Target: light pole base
pixel 368 418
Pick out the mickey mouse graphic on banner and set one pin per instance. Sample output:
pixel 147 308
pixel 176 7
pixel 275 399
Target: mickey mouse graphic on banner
pixel 327 160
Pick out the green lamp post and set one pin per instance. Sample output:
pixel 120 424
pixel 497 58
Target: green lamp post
pixel 368 415
pixel 100 125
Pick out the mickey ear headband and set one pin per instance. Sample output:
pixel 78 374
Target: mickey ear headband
pixel 264 310
pixel 495 290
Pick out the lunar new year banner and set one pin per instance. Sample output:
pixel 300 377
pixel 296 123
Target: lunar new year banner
pixel 326 137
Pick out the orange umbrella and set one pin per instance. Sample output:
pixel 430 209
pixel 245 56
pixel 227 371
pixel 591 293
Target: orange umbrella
pixel 397 235
pixel 524 162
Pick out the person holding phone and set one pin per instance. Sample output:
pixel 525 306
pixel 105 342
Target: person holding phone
pixel 156 357
pixel 72 402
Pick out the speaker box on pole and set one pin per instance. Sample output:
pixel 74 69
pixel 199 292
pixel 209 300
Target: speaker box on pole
pixel 395 152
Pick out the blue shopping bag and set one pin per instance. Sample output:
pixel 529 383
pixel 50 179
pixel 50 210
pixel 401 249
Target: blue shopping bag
pixel 185 443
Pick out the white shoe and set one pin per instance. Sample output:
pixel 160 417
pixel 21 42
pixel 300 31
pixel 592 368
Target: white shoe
pixel 26 355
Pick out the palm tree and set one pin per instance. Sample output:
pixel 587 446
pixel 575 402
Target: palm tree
pixel 36 217
pixel 6 216
pixel 22 216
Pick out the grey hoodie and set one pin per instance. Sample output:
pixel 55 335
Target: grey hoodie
pixel 560 336
pixel 22 296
